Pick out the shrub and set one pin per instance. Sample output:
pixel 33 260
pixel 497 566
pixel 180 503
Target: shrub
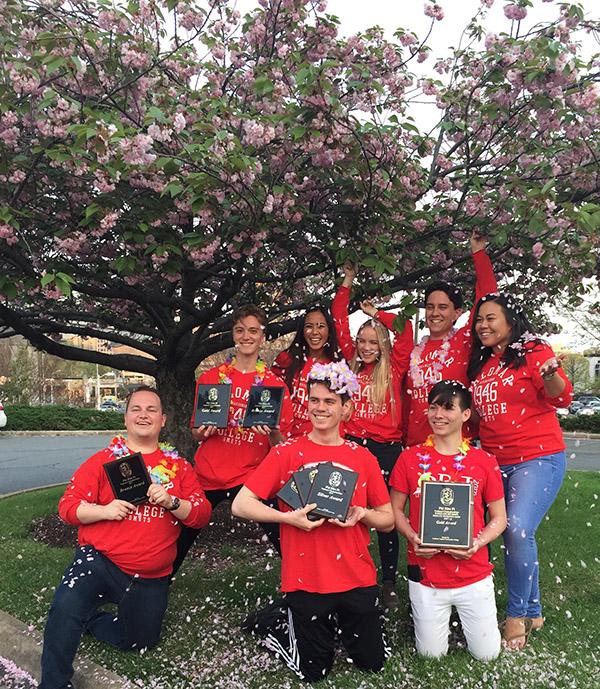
pixel 588 424
pixel 60 417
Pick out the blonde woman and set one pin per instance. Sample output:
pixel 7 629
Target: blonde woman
pixel 375 423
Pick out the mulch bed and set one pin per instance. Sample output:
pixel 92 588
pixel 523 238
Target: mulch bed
pixel 222 529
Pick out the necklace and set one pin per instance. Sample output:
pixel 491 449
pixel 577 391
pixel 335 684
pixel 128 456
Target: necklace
pixel 226 368
pixel 463 448
pixel 440 354
pixel 163 472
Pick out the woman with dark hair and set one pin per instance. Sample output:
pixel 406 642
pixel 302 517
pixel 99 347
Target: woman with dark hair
pixel 517 385
pixel 315 342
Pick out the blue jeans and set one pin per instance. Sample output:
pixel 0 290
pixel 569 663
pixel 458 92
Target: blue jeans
pixel 529 489
pixel 91 581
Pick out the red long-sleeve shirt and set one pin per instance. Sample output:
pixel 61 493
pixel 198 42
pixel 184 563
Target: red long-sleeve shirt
pixel 383 426
pixel 454 366
pixel 518 420
pixel 301 424
pixel 144 543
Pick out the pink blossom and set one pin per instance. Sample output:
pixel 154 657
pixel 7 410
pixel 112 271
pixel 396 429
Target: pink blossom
pixel 179 123
pixel 8 234
pixel 515 12
pixel 135 151
pixel 434 11
pixel 422 56
pixel 538 250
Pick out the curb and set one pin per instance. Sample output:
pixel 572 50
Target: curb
pixel 31 490
pixel 24 648
pixel 581 434
pixel 16 434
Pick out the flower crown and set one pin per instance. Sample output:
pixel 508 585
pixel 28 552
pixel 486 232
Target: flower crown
pixel 337 376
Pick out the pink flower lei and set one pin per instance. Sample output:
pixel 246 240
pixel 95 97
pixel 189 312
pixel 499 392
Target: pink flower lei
pixel 441 354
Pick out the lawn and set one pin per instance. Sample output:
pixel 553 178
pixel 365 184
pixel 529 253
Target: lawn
pixel 201 644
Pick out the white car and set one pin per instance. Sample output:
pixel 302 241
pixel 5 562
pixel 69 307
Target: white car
pixel 2 416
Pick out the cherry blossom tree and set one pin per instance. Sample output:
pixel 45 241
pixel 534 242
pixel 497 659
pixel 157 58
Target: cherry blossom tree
pixel 161 162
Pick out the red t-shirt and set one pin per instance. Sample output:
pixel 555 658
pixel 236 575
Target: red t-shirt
pixel 383 426
pixel 227 457
pixel 454 364
pixel 144 543
pixel 301 423
pixel 329 559
pixel 517 420
pixel 480 469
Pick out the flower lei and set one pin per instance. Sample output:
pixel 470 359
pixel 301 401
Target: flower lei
pixel 463 448
pixel 225 370
pixel 441 354
pixel 118 447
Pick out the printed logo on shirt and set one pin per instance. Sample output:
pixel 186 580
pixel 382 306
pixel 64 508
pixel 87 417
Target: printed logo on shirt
pixel 363 407
pixel 485 391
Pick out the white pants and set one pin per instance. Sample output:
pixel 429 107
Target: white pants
pixel 476 607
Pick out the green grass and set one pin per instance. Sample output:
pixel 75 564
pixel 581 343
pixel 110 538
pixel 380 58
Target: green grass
pixel 201 644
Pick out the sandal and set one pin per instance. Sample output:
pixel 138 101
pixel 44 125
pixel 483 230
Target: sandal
pixel 526 631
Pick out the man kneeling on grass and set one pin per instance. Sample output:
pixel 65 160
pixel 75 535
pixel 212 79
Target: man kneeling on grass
pixel 125 554
pixel 439 579
pixel 327 573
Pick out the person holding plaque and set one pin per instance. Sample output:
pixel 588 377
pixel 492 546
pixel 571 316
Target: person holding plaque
pixel 327 572
pixel 126 552
pixel 314 342
pixel 377 414
pixel 440 578
pixel 226 456
pixel 444 353
pixel 517 385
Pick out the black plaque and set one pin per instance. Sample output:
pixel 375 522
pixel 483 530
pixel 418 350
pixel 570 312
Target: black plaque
pixel 264 406
pixel 304 479
pixel 446 519
pixel 290 495
pixel 332 491
pixel 212 405
pixel 129 478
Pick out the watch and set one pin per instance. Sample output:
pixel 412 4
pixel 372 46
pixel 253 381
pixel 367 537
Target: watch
pixel 176 504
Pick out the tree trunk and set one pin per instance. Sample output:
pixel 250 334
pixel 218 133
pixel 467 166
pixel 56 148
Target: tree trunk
pixel 176 388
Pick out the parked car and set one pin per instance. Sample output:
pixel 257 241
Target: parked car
pixel 109 405
pixel 586 399
pixel 2 416
pixel 589 409
pixel 574 407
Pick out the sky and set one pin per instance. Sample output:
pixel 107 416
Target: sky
pixel 357 15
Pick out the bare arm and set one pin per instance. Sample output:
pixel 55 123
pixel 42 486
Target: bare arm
pixel 380 518
pixel 248 505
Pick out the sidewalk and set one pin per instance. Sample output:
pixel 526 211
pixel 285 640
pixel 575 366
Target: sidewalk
pixel 23 646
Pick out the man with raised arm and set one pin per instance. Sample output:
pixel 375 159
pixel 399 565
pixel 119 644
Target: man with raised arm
pixel 327 572
pixel 444 353
pixel 125 554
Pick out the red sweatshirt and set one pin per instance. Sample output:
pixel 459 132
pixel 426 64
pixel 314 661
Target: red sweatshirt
pixel 517 419
pixel 144 542
pixel 226 458
pixel 454 366
pixel 300 423
pixel 331 558
pixel 480 469
pixel 383 426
